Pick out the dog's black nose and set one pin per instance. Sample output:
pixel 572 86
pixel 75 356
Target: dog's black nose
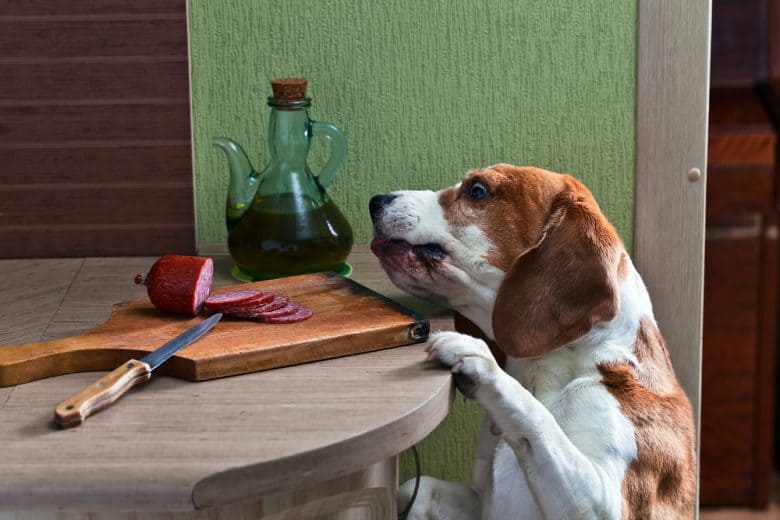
pixel 378 203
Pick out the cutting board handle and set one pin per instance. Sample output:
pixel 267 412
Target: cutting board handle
pixel 31 361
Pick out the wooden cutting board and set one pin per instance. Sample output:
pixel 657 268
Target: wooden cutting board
pixel 348 319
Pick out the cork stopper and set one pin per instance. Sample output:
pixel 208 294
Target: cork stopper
pixel 289 89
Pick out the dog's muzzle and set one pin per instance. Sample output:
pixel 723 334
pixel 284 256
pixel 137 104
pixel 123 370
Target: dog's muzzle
pixel 378 203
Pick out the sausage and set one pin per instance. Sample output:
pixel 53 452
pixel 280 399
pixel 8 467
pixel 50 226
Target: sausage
pixel 178 283
pixel 290 308
pixel 237 299
pixel 251 311
pixel 303 313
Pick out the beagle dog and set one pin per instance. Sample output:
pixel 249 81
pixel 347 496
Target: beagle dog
pixel 586 419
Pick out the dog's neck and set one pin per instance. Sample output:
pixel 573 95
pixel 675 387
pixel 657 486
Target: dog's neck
pixel 479 309
pixel 606 343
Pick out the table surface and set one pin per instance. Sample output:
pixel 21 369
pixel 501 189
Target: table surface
pixel 174 445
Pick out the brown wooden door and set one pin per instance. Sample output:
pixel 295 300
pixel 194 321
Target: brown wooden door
pixel 95 153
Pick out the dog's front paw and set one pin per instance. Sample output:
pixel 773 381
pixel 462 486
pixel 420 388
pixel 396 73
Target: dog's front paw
pixel 469 358
pixel 438 499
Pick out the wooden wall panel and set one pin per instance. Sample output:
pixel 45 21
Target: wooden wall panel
pixel 740 43
pixel 95 150
pixel 22 40
pixel 740 295
pixel 731 330
pixel 95 204
pixel 112 121
pixel 17 8
pixel 671 140
pixel 116 163
pixel 60 81
pixel 80 240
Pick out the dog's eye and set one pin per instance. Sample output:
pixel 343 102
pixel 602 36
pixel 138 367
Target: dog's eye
pixel 478 191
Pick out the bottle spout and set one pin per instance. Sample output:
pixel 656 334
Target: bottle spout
pixel 243 179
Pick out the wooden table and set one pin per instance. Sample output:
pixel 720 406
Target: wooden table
pixel 314 440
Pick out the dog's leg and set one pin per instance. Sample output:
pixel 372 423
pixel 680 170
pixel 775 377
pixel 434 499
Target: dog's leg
pixel 439 500
pixel 567 480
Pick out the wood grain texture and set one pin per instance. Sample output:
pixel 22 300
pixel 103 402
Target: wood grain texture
pixel 671 138
pixel 121 165
pixel 78 81
pixel 88 7
pixel 102 393
pixel 95 129
pixel 81 240
pixel 448 452
pixel 95 204
pixel 397 375
pixel 740 41
pixel 731 332
pixel 366 494
pixel 766 382
pixel 740 304
pixel 150 120
pixel 255 434
pixel 25 41
pixel 28 308
pixel 737 191
pixel 256 420
pixel 348 319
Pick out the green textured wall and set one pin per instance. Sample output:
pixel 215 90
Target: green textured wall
pixel 424 91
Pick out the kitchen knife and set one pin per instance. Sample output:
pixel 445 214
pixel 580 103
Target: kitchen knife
pixel 112 386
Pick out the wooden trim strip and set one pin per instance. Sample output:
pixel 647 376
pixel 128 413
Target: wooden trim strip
pixel 118 17
pixel 746 232
pixel 94 227
pixel 10 188
pixel 672 102
pixel 48 60
pixel 93 102
pixel 19 145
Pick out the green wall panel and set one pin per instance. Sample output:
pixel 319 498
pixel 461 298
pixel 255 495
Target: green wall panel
pixel 424 90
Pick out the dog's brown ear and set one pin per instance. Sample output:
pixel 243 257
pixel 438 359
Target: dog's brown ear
pixel 558 289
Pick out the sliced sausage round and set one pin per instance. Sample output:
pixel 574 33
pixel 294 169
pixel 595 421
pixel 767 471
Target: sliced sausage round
pixel 238 299
pixel 303 313
pixel 290 308
pixel 249 311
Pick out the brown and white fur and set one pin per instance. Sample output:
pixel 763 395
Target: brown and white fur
pixel 587 418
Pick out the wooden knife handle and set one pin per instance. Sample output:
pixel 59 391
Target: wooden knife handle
pixel 102 393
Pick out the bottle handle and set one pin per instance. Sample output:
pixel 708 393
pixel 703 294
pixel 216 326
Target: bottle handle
pixel 338 150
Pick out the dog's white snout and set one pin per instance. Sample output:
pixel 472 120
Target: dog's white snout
pixel 393 214
pixel 378 203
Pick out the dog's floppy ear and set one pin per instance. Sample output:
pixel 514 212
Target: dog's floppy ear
pixel 558 289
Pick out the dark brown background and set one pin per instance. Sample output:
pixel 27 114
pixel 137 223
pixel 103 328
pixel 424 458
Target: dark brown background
pixel 740 286
pixel 95 154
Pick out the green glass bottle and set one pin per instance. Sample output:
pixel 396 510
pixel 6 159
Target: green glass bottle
pixel 281 221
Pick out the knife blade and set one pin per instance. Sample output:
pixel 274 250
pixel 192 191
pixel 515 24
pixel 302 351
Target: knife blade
pixel 106 390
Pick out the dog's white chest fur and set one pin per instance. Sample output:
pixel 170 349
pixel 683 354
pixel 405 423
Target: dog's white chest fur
pixel 569 386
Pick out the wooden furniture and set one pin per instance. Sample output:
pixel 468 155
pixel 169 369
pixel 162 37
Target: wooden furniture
pixel 740 302
pixel 348 319
pixel 95 151
pixel 314 440
pixel 669 199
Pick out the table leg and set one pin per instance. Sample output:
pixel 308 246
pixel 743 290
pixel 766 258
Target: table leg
pixel 368 494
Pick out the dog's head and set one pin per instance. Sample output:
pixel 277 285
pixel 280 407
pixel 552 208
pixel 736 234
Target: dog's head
pixel 525 253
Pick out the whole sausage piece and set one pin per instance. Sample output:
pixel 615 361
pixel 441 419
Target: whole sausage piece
pixel 178 283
